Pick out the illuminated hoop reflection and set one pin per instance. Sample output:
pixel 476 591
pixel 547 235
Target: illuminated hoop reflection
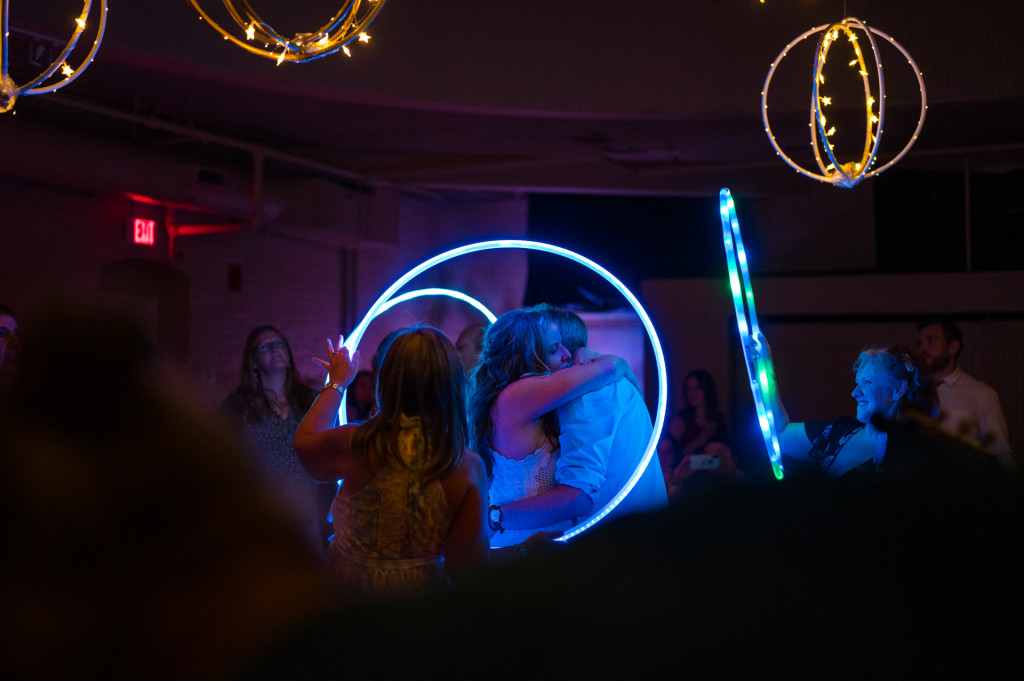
pixel 845 174
pixel 755 345
pixel 352 342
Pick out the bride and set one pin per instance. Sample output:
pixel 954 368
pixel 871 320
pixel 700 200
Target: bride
pixel 523 376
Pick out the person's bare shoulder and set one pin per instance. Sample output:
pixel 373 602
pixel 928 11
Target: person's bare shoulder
pixel 469 475
pixel 472 468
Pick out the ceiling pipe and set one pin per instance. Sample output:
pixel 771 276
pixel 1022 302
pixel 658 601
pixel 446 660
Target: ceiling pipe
pixel 360 181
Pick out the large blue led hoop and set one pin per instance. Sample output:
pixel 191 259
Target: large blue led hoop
pixel 352 342
pixel 755 345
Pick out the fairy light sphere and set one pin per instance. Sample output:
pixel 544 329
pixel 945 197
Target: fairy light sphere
pixel 384 302
pixel 260 38
pixel 830 168
pixel 44 82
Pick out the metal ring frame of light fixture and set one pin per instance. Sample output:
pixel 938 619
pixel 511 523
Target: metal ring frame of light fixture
pixel 349 23
pixel 755 345
pixel 10 91
pixel 383 301
pixel 849 174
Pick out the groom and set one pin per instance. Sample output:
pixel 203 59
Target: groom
pixel 604 434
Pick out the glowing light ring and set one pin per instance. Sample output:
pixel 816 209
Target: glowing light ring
pixel 659 356
pixel 848 175
pixel 458 295
pixel 10 91
pixel 342 29
pixel 410 295
pixel 755 355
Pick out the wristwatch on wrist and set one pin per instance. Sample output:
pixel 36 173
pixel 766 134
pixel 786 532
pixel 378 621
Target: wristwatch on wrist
pixel 494 519
pixel 337 386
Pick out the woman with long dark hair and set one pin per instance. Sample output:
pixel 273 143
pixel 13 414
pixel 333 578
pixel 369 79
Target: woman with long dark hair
pixel 696 439
pixel 267 406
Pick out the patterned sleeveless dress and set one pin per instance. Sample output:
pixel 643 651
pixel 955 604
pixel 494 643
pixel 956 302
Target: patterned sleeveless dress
pixel 389 536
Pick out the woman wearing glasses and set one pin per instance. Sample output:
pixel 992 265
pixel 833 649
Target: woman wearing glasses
pixel 267 407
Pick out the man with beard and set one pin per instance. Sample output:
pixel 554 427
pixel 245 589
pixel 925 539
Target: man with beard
pixel 968 406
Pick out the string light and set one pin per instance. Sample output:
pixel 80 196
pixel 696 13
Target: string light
pixel 348 24
pixel 850 173
pixel 755 345
pixel 43 83
pixel 352 342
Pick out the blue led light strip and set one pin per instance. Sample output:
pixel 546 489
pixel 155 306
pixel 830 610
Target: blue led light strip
pixel 409 295
pixel 451 293
pixel 755 345
pixel 383 301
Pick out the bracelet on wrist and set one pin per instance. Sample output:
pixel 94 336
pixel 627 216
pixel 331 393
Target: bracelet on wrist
pixel 336 386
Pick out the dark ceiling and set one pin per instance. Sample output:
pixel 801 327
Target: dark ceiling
pixel 660 97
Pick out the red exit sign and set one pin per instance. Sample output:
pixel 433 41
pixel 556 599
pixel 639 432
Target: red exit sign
pixel 144 231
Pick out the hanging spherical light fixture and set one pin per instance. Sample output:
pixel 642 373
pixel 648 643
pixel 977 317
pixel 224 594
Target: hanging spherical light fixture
pixel 846 174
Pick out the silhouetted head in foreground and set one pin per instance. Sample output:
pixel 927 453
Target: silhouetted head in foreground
pixel 133 544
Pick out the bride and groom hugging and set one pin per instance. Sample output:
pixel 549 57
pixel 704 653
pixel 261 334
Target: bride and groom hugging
pixel 561 427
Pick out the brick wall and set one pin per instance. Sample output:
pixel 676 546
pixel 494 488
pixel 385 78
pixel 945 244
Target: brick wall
pixel 310 282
